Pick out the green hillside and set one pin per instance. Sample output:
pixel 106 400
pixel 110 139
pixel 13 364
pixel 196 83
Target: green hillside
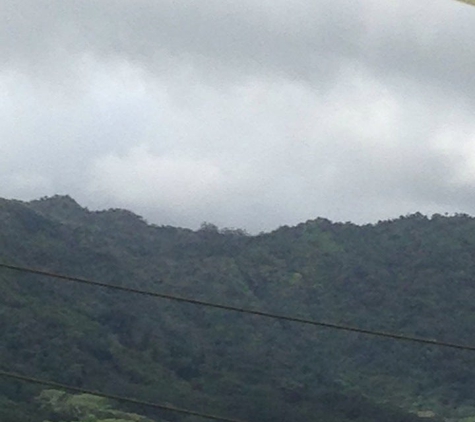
pixel 413 275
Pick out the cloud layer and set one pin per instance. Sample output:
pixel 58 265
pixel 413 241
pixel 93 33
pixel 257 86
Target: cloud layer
pixel 248 114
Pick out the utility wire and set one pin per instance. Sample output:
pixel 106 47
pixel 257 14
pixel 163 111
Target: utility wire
pixel 24 378
pixel 334 326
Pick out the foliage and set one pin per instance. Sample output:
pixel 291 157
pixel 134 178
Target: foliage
pixel 412 275
pixel 59 405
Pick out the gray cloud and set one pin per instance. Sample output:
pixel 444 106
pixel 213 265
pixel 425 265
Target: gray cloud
pixel 427 42
pixel 246 114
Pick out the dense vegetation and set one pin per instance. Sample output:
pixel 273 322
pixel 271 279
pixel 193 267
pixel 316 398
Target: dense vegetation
pixel 413 275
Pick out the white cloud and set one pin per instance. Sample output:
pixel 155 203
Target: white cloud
pixel 169 182
pixel 247 114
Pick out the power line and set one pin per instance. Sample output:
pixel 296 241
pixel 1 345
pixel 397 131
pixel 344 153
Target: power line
pixel 334 326
pixel 167 407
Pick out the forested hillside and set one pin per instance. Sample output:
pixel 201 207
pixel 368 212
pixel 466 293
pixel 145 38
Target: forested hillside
pixel 413 275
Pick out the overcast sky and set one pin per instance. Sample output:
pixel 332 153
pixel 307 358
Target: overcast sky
pixel 250 114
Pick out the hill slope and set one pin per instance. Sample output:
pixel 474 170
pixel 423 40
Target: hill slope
pixel 413 275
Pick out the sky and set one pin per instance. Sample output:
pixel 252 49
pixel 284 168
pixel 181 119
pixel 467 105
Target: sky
pixel 243 114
